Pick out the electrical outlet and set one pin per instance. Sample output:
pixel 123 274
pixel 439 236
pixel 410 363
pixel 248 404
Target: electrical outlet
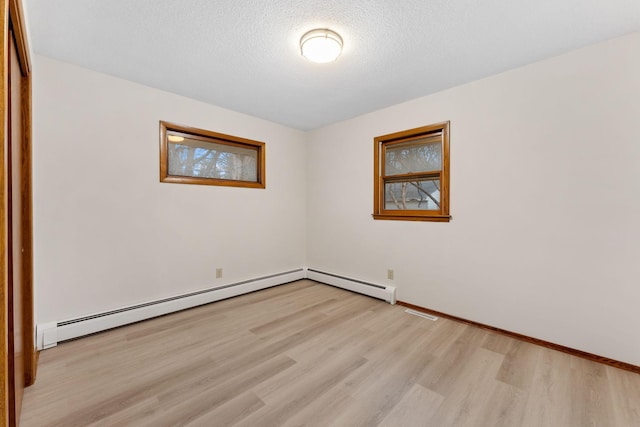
pixel 218 273
pixel 390 274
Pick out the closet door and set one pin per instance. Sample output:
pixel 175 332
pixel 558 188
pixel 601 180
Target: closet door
pixel 16 223
pixel 17 355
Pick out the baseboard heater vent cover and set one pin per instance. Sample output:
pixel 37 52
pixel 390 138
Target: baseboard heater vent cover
pixel 386 293
pixel 421 314
pixel 50 334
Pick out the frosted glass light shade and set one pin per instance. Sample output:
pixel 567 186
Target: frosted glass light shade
pixel 175 138
pixel 321 45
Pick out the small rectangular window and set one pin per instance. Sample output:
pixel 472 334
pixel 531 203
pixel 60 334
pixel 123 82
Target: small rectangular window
pixel 411 174
pixel 196 156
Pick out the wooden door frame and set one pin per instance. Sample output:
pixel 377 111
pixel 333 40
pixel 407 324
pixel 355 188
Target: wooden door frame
pixel 11 14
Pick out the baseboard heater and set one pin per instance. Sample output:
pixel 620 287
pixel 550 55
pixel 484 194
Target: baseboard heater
pixel 50 334
pixel 383 292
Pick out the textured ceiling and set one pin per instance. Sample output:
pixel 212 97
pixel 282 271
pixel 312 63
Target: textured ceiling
pixel 243 54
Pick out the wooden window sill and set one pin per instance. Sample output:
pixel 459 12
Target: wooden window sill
pixel 430 218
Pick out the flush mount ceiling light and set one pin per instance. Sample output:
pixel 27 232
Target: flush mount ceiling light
pixel 175 138
pixel 321 45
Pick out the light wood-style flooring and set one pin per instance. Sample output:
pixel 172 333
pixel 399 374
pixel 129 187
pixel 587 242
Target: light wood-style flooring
pixel 310 354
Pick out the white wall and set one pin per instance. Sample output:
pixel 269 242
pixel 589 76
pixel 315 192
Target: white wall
pixel 108 234
pixel 545 199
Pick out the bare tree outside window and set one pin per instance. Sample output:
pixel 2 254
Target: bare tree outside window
pixel 196 156
pixel 412 174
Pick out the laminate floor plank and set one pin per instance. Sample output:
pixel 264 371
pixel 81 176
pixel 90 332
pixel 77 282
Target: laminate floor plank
pixel 549 403
pixel 467 397
pixel 179 410
pixel 231 412
pixel 296 397
pixel 321 412
pixel 499 343
pixel 307 354
pixel 514 368
pixel 625 396
pixel 505 407
pixel 131 415
pixel 591 394
pixel 384 388
pixel 443 376
pixel 415 409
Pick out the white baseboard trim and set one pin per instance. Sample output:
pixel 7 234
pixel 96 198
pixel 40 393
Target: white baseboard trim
pixel 49 334
pixel 383 292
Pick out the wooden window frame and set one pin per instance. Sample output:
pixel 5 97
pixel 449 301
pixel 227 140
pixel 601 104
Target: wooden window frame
pixel 379 178
pixel 167 128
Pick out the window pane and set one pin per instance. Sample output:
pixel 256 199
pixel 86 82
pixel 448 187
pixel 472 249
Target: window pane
pixel 195 158
pixel 422 194
pixel 421 155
